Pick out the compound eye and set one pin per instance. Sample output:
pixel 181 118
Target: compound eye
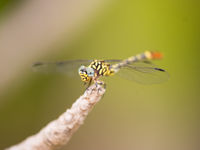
pixel 90 72
pixel 82 69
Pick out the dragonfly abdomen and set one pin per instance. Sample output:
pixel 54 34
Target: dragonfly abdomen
pixel 148 55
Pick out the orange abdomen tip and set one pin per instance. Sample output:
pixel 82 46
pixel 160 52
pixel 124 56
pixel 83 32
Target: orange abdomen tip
pixel 156 55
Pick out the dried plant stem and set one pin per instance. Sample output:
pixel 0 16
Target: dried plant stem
pixel 58 132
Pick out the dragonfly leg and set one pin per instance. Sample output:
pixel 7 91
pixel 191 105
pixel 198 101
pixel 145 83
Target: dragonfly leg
pixel 98 82
pixel 85 84
pixel 88 84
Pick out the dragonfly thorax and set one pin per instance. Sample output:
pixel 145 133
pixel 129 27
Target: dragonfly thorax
pixel 101 68
pixel 96 69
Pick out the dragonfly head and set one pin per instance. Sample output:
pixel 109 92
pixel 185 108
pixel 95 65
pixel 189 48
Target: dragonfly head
pixel 86 73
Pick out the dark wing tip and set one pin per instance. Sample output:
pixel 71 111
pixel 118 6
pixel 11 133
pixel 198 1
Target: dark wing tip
pixel 37 64
pixel 159 69
pixel 147 62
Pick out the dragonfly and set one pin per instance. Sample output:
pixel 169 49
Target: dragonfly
pixel 137 68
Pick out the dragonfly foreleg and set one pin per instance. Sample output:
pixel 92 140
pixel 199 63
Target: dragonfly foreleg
pixel 99 82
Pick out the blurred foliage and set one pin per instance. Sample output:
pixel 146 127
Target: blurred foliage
pixel 6 4
pixel 129 113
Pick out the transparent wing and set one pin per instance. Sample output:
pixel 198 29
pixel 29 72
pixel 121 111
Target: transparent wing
pixel 143 72
pixel 112 61
pixel 69 67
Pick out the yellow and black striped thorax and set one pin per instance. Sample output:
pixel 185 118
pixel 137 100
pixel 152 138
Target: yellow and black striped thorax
pixel 101 68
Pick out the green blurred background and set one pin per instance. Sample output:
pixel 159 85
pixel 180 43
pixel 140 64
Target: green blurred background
pixel 130 115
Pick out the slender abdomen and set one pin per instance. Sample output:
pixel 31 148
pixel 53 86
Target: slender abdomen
pixel 148 55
